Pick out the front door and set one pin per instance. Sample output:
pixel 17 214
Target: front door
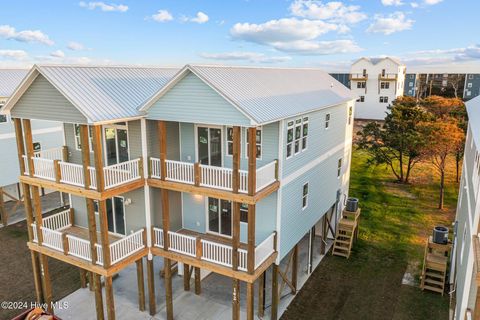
pixel 116 144
pixel 116 215
pixel 209 146
pixel 220 217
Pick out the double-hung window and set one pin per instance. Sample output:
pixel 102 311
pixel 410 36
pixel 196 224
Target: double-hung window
pixel 305 196
pixel 78 144
pixel 350 114
pixel 297 136
pixel 229 141
pixel 361 85
pixel 383 99
pixel 339 168
pixel 384 85
pixel 327 121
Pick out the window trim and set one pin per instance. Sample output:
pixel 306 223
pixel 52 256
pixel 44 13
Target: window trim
pixel 294 124
pixel 77 138
pixel 104 140
pixel 305 196
pixel 95 206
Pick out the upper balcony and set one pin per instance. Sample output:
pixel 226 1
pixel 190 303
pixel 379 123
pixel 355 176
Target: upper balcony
pixel 359 76
pixel 388 76
pixel 68 242
pixel 52 170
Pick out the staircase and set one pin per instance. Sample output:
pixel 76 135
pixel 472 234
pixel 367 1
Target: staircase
pixel 435 265
pixel 347 232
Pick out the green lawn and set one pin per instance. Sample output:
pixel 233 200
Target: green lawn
pixel 396 220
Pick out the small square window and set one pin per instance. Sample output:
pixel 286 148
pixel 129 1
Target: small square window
pixel 469 85
pixel 37 146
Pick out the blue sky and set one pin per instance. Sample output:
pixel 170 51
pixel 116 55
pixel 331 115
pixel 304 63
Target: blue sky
pixel 435 34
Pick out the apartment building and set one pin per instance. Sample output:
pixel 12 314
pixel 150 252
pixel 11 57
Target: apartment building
pixel 45 135
pixel 218 169
pixel 376 82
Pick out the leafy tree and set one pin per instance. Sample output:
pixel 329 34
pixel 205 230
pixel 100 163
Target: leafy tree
pixel 398 142
pixel 445 138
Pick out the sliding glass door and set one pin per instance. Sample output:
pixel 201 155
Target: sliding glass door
pixel 116 215
pixel 116 144
pixel 209 146
pixel 220 217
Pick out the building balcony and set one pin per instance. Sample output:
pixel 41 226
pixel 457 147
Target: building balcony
pixel 212 177
pixel 53 171
pixel 60 235
pixel 190 247
pixel 358 76
pixel 387 76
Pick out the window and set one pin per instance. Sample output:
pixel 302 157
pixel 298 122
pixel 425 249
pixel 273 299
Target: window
pixel 470 76
pixel 469 93
pixel 350 113
pixel 37 146
pixel 469 85
pixel 327 120
pixel 411 76
pixel 385 85
pixel 361 85
pixel 305 196
pixel 410 84
pixel 361 99
pixel 384 99
pixel 339 168
pixel 297 136
pixel 409 91
pixel 364 72
pixel 230 141
pixel 78 145
pixel 244 213
pixel 444 83
pixel 258 141
pixel 383 72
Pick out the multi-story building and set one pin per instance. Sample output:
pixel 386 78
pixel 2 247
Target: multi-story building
pixel 376 82
pixel 220 169
pixel 46 135
pixel 465 269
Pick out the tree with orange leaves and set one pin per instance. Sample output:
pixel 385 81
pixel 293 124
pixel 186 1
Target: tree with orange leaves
pixel 445 138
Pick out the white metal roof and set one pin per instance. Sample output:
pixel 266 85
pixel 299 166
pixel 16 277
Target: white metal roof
pixel 473 109
pixel 376 60
pixel 10 79
pixel 101 93
pixel 268 94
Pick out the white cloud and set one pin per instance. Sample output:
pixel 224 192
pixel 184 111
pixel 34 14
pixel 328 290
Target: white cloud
pixel 319 47
pixel 14 54
pixel 75 46
pixel 9 32
pixel 245 56
pixel 57 54
pixel 200 18
pixel 432 2
pixel 334 11
pixel 414 4
pixel 111 7
pixel 162 16
pixel 392 2
pixel 392 23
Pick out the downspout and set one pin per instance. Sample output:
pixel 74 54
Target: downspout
pixel 148 215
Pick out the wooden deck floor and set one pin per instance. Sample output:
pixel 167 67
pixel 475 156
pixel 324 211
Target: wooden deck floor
pixel 82 232
pixel 211 237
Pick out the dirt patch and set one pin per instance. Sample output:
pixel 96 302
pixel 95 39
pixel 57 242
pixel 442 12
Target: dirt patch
pixel 398 190
pixel 16 275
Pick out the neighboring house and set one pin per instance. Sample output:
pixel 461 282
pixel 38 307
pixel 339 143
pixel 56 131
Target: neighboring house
pixel 46 135
pixel 376 82
pixel 465 271
pixel 222 169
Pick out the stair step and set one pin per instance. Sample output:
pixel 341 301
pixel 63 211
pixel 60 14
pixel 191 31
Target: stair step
pixel 434 275
pixel 435 282
pixel 340 254
pixel 342 241
pixel 435 289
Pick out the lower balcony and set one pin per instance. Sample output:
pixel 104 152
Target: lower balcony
pixel 213 249
pixel 51 165
pixel 60 234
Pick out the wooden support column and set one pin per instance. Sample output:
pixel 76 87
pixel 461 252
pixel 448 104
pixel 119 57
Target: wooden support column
pixel 311 241
pixel 250 300
pixel 252 185
pixel 3 211
pixel 91 283
pixel 323 245
pixel 236 299
pixel 141 285
pixel 97 287
pixel 47 285
pixel 168 288
pixel 186 277
pixel 198 285
pixel 295 269
pixel 274 314
pixel 102 206
pixel 261 294
pixel 109 298
pixel 83 278
pixel 151 287
pixel 235 205
pixel 162 138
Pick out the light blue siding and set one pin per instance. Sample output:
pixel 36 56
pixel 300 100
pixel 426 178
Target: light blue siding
pixel 192 100
pixel 44 102
pixel 320 140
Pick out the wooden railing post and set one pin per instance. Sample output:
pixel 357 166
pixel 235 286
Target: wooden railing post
pixel 65 243
pixel 197 173
pixel 149 167
pixel 198 248
pixel 65 153
pixel 140 167
pixel 58 173
pixel 72 216
pixel 144 236
pixel 276 169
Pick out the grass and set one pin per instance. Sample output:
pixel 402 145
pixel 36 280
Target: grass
pixel 396 220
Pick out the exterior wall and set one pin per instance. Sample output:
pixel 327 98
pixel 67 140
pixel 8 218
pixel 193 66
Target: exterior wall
pixel 410 85
pixel 48 133
pixel 343 78
pixel 372 108
pixel 192 100
pixel 42 101
pixel 472 86
pixel 318 166
pixel 467 225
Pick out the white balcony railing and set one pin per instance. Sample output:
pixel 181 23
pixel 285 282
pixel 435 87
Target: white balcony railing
pixel 182 243
pixel 58 221
pixel 264 250
pixel 79 247
pixel 52 238
pixel 212 176
pixel 158 237
pixel 52 154
pixel 126 246
pixel 71 173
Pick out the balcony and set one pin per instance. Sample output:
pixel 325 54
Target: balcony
pixel 213 249
pixel 59 234
pixel 358 76
pixel 51 165
pixel 388 76
pixel 211 176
